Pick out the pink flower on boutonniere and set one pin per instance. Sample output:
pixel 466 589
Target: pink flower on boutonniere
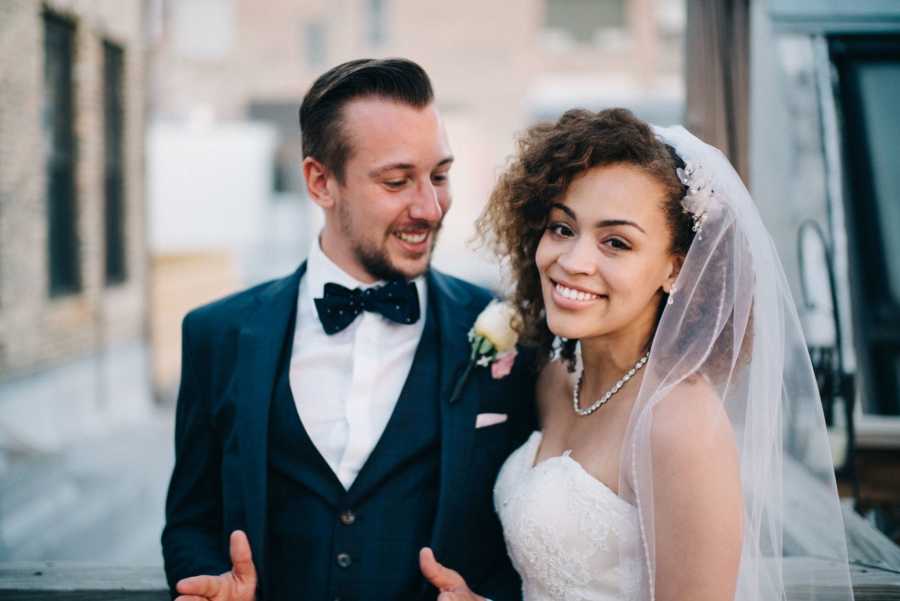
pixel 502 365
pixel 493 339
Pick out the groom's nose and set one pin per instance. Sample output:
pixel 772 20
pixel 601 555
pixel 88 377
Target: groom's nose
pixel 426 204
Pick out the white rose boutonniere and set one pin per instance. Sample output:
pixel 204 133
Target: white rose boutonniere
pixel 493 339
pixel 495 327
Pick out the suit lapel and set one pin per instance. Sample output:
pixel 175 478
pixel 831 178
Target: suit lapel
pixel 456 315
pixel 260 343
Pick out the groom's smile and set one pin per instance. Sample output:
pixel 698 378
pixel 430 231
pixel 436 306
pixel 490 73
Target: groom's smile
pixel 416 240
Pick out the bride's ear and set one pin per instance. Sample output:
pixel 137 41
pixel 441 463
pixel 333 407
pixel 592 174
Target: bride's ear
pixel 674 269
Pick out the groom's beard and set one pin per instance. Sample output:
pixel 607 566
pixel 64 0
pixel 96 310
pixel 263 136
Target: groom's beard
pixel 376 260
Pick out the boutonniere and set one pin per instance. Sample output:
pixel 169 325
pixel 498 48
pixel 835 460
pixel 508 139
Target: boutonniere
pixel 493 340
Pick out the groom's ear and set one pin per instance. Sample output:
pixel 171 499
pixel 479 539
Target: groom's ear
pixel 318 182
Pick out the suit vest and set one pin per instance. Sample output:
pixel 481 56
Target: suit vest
pixel 325 542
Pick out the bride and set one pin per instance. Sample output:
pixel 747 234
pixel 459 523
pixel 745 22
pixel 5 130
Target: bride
pixel 675 385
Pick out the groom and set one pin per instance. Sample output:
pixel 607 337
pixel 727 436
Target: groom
pixel 319 445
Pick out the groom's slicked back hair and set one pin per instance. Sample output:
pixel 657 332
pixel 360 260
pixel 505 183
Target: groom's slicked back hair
pixel 396 79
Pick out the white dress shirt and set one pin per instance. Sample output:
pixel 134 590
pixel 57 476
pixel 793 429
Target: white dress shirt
pixel 346 385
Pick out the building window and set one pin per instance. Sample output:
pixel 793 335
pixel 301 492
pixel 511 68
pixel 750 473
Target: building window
pixel 868 69
pixel 314 44
pixel 585 21
pixel 282 116
pixel 113 161
pixel 203 29
pixel 377 32
pixel 60 149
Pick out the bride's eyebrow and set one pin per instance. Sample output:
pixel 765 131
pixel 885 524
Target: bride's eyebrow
pixel 599 224
pixel 564 209
pixel 614 222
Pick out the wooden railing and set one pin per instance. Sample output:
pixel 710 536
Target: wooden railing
pixel 72 581
pixel 875 564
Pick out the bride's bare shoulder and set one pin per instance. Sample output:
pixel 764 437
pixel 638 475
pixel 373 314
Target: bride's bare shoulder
pixel 692 419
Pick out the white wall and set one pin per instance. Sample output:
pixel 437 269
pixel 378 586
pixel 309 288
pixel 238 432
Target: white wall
pixel 208 185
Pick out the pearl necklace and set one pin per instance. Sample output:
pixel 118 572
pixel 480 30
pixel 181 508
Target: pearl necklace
pixel 576 401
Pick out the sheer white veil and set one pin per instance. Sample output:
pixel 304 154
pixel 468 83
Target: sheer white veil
pixel 732 322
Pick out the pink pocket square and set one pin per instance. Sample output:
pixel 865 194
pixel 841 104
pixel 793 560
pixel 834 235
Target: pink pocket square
pixel 489 419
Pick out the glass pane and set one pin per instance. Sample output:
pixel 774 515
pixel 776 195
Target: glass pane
pixel 377 22
pixel 59 148
pixel 886 380
pixel 582 19
pixel 879 86
pixel 113 163
pixel 315 44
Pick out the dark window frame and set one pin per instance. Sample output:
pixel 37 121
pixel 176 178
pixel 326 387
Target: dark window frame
pixel 876 315
pixel 61 158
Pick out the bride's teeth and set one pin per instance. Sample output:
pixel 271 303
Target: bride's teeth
pixel 574 294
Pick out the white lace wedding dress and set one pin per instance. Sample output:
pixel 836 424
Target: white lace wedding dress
pixel 566 532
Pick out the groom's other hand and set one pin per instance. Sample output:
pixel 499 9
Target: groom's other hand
pixel 239 584
pixel 453 587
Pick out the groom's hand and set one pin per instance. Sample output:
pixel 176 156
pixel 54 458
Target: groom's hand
pixel 452 586
pixel 237 585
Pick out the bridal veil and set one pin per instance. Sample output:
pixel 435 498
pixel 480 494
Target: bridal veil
pixel 732 322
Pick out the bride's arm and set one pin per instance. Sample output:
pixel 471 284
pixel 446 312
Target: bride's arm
pixel 698 505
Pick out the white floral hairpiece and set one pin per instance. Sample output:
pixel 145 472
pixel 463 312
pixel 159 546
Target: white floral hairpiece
pixel 699 198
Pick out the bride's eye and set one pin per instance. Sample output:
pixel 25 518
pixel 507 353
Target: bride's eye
pixel 561 229
pixel 617 244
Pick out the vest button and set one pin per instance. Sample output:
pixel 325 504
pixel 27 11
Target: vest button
pixel 348 517
pixel 344 560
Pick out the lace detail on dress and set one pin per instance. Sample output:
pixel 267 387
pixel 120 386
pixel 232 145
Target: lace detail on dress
pixel 568 534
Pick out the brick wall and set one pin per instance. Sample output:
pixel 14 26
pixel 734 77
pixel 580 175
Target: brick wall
pixel 37 331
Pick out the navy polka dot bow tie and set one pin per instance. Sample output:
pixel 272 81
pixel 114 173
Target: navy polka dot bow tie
pixel 397 300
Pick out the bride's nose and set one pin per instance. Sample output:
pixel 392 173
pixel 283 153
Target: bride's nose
pixel 579 257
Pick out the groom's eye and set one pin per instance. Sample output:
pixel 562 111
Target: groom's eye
pixel 395 183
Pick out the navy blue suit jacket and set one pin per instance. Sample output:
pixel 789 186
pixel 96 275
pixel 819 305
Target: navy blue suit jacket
pixel 230 349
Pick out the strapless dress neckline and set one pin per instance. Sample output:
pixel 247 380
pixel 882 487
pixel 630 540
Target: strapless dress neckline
pixel 570 537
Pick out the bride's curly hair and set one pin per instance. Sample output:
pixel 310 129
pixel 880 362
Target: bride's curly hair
pixel 550 156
